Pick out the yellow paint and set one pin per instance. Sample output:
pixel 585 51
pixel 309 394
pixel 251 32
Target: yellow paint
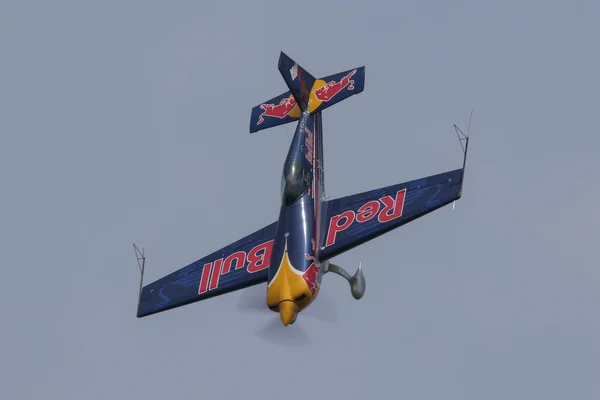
pixel 313 102
pixel 287 311
pixel 296 112
pixel 287 286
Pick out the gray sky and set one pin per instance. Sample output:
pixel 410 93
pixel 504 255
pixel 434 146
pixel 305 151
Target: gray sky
pixel 128 121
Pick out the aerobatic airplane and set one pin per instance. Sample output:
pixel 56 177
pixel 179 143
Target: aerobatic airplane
pixel 292 254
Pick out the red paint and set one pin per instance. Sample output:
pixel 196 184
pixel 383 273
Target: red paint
pixel 259 261
pixel 367 211
pixel 312 272
pixel 332 88
pixel 204 279
pixel 393 208
pixel 239 257
pixel 216 273
pixel 280 110
pixel 309 146
pixel 335 227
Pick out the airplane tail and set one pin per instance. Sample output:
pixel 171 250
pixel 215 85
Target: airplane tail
pixel 305 94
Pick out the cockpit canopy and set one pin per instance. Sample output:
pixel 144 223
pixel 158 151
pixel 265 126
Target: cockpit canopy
pixel 294 182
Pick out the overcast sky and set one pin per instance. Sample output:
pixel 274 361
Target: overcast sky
pixel 127 121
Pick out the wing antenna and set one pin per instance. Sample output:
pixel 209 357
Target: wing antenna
pixel 141 260
pixel 462 137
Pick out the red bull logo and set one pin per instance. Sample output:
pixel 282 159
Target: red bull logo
pixel 312 272
pixel 332 88
pixel 281 110
pixel 392 209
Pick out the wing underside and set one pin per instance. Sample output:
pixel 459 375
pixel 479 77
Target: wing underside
pixel 359 218
pixel 356 219
pixel 239 265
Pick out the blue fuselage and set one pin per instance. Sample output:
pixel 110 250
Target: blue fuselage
pixel 295 271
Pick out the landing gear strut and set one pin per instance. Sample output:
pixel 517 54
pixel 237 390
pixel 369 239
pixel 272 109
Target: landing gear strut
pixel 356 281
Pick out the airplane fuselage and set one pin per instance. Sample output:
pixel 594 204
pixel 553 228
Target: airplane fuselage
pixel 295 271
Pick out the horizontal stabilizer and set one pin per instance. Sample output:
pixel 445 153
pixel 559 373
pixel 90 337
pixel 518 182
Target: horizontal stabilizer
pixel 277 111
pixel 305 94
pixel 334 88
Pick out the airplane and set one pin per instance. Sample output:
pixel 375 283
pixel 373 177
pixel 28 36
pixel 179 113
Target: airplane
pixel 292 254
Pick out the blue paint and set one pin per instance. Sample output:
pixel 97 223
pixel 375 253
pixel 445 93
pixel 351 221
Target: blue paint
pixel 304 218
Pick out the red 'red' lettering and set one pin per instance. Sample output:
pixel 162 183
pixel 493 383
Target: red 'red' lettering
pixel 216 273
pixel 204 279
pixel 238 256
pixel 367 211
pixel 260 257
pixel 309 145
pixel 335 227
pixel 392 208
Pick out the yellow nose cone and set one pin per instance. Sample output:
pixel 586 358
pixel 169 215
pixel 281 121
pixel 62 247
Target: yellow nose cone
pixel 287 311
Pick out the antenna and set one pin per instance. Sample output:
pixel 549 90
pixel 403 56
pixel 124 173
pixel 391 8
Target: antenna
pixel 141 260
pixel 462 137
pixel 469 127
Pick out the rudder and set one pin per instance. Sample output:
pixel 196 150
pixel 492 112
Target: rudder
pixel 297 79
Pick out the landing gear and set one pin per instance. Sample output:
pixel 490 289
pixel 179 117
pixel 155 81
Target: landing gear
pixel 356 281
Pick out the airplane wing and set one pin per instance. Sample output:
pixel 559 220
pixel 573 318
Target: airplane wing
pixel 353 220
pixel 239 265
